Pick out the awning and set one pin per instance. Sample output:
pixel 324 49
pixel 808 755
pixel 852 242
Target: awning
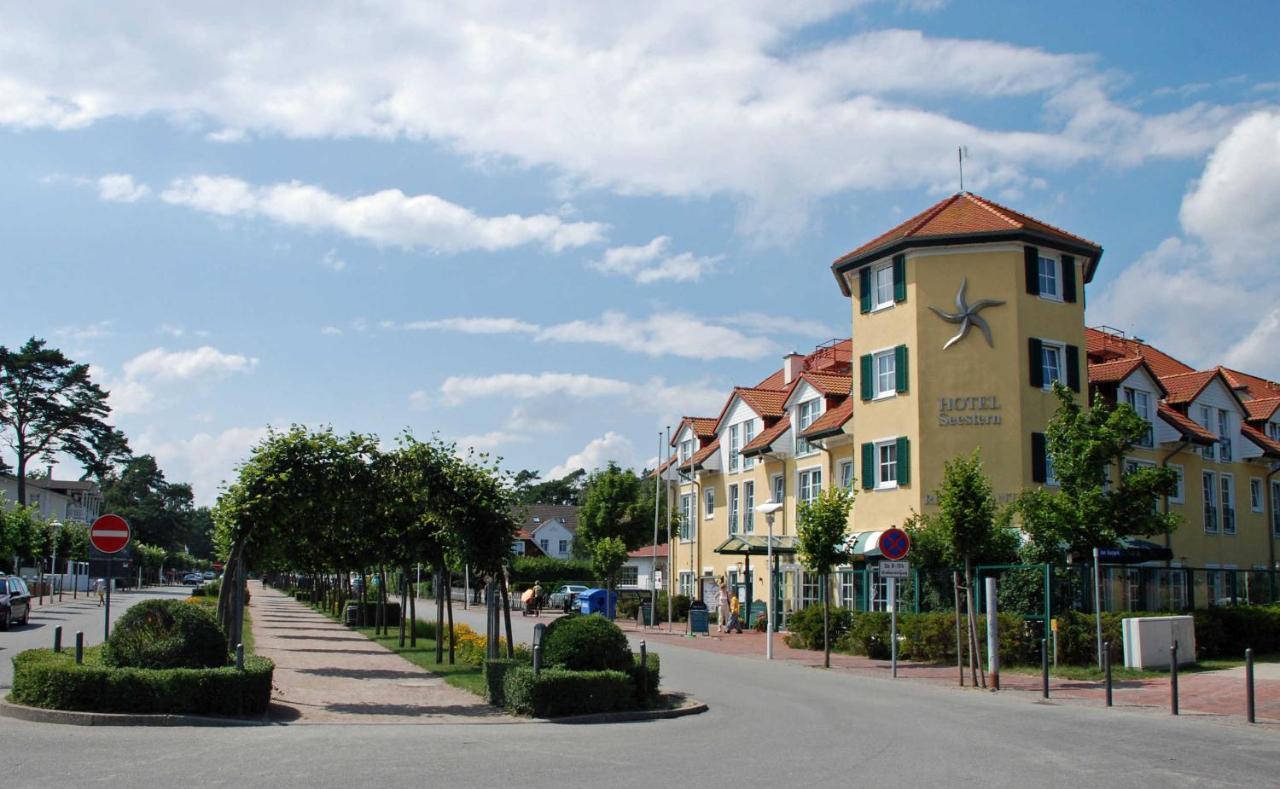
pixel 757 545
pixel 1131 550
pixel 866 544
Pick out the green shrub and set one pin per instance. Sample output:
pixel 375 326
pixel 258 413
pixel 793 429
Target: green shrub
pixel 371 613
pixel 1227 631
pixel 804 627
pixel 586 643
pixel 42 678
pixel 166 634
pixel 679 604
pixel 646 681
pixel 931 637
pixel 553 573
pixel 561 692
pixel 494 673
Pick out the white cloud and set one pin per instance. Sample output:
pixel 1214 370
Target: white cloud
pixel 205 460
pixel 666 98
pixel 662 334
pixel 671 401
pixel 123 395
pixel 1207 296
pixel 520 386
pixel 596 455
pixel 205 361
pixel 385 218
pixel 782 324
pixel 86 332
pixel 331 331
pixel 473 326
pixel 332 261
pixel 653 262
pixel 419 400
pixel 488 442
pixel 120 188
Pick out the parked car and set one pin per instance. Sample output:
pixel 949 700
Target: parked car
pixel 193 579
pixel 208 575
pixel 563 597
pixel 15 601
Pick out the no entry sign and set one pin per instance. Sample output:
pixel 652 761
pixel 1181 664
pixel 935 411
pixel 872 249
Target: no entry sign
pixel 109 534
pixel 894 544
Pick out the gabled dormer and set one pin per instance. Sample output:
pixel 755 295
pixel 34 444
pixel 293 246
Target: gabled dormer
pixel 1208 399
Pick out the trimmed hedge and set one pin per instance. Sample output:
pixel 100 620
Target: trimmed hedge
pixel 804 627
pixel 495 672
pixel 646 691
pixel 553 573
pixel 559 692
pixel 163 634
pixel 931 637
pixel 42 678
pixel 586 643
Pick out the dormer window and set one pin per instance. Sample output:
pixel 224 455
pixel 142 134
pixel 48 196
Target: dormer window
pixel 1273 430
pixel 806 413
pixel 1048 276
pixel 1140 402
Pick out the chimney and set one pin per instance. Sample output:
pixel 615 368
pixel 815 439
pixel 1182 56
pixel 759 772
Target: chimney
pixel 792 366
pixel 50 471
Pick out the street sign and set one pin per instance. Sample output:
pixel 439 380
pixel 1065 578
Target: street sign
pixel 894 544
pixel 109 534
pixel 895 569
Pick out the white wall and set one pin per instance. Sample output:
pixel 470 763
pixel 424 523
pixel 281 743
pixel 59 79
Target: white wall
pixel 553 531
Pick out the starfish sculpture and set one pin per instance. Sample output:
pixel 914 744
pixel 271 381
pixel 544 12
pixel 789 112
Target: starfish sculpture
pixel 967 316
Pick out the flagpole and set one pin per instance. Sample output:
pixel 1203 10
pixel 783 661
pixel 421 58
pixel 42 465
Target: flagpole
pixel 653 564
pixel 671 556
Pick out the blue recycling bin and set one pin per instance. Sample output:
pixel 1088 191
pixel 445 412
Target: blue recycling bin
pixel 593 601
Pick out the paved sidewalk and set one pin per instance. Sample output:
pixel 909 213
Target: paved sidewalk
pixel 326 673
pixel 1206 692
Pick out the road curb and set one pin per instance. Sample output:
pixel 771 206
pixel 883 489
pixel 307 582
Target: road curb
pixel 73 718
pixel 688 707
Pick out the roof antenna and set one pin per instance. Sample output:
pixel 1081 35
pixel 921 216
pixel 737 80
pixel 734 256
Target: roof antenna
pixel 962 153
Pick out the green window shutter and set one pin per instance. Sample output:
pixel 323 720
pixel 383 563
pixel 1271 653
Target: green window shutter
pixel 868 385
pixel 1034 351
pixel 899 278
pixel 900 369
pixel 864 288
pixel 1073 368
pixel 1039 469
pixel 1032 259
pixel 868 466
pixel 904 460
pixel 1069 279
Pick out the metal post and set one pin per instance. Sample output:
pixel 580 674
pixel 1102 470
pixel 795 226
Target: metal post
pixel 466 585
pixel 57 640
pixel 893 626
pixel 1044 667
pixel 1248 686
pixel 644 670
pixel 1106 669
pixel 79 647
pixel 653 564
pixel 1173 678
pixel 106 615
pixel 993 634
pixel 239 657
pixel 537 659
pixel 773 590
pixel 1097 606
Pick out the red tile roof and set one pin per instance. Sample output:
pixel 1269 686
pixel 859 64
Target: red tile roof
pixel 664 550
pixel 831 422
pixel 1255 387
pixel 967 214
pixel 1184 425
pixel 833 357
pixel 766 403
pixel 1116 371
pixel 1269 446
pixel 1185 387
pixel 1108 345
pixel 1262 408
pixel 828 383
pixel 764 441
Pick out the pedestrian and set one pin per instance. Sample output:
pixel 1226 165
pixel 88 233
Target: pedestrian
pixel 722 608
pixel 734 608
pixel 537 598
pixel 101 586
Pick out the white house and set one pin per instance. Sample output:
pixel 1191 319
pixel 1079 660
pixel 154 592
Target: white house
pixel 637 572
pixel 64 500
pixel 550 527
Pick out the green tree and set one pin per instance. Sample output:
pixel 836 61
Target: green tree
pixel 48 406
pixel 565 490
pixel 607 556
pixel 159 512
pixel 821 527
pixel 611 508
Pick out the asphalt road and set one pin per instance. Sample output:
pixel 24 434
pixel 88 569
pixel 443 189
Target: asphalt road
pixel 769 724
pixel 72 614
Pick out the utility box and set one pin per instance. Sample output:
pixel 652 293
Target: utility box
pixel 1147 640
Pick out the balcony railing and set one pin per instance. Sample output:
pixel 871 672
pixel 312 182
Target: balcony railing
pixel 1211 519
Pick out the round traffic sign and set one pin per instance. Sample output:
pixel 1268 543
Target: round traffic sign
pixel 894 544
pixel 109 534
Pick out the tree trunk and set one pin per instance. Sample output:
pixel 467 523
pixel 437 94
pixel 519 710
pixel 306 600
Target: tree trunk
pixel 440 634
pixel 826 621
pixel 975 654
pixel 404 603
pixel 506 612
pixel 413 616
pixel 448 602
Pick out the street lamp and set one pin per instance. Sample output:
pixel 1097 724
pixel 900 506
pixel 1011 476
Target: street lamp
pixel 57 529
pixel 768 509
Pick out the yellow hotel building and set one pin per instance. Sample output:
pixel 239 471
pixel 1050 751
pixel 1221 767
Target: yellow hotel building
pixel 962 318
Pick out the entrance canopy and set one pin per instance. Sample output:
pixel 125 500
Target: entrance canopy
pixel 757 545
pixel 866 544
pixel 1130 550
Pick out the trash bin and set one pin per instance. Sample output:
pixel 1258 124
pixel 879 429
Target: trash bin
pixel 644 613
pixel 698 617
pixel 593 601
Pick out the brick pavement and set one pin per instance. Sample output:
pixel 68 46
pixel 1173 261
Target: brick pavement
pixel 326 673
pixel 1208 692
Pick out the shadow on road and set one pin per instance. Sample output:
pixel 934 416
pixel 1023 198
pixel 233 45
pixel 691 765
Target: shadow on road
pixel 362 673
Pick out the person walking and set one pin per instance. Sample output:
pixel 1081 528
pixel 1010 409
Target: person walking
pixel 537 598
pixel 101 586
pixel 734 609
pixel 722 608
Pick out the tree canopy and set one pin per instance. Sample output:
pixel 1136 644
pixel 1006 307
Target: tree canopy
pixel 161 513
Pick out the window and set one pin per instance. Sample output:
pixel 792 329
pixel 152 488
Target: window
pixel 1131 466
pixel 810 589
pixel 810 484
pixel 806 412
pixel 1228 503
pixel 779 488
pixel 709 503
pixel 748 433
pixel 564 547
pixel 686 583
pixel 847 591
pixel 1206 421
pixel 733 509
pixel 1140 402
pixel 628 575
pixel 1048 278
pixel 1273 430
pixel 735 446
pixel 686 450
pixel 543 545
pixel 686 517
pixel 1210 496
pixel 1255 494
pixel 1178 494
pixel 1050 364
pixel 1224 434
pixel 887 464
pixel 886 374
pixel 846 474
pixel 748 507
pixel 883 278
pixel 1275 509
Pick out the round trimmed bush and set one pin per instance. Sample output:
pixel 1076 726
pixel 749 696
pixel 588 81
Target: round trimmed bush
pixel 166 634
pixel 586 643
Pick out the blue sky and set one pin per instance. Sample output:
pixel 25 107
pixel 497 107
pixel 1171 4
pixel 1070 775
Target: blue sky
pixel 548 236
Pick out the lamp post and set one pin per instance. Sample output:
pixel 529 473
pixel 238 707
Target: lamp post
pixel 57 530
pixel 769 509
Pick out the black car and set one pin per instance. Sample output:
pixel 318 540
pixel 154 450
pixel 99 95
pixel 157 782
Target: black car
pixel 15 601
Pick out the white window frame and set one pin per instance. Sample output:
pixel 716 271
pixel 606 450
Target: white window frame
pixel 748 433
pixel 686 450
pixel 1257 499
pixel 891 446
pixel 878 360
pixel 1275 508
pixel 779 480
pixel 1054 274
pixel 846 474
pixel 735 446
pixel 749 507
pixel 688 525
pixel 814 408
pixel 1206 421
pixel 628 575
pixel 685 586
pixel 1179 494
pixel 563 547
pixel 877 272
pixel 1132 396
pixel 814 487
pixel 735 505
pixel 709 503
pixel 1227 498
pixel 1209 493
pixel 544 544
pixel 1273 430
pixel 1225 429
pixel 1059 352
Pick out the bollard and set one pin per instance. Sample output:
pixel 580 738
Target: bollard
pixel 57 639
pixel 1106 668
pixel 239 657
pixel 1044 667
pixel 1173 678
pixel 1248 686
pixel 644 672
pixel 537 659
pixel 79 647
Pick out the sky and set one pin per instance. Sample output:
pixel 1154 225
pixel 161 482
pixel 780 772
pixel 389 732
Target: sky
pixel 547 234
